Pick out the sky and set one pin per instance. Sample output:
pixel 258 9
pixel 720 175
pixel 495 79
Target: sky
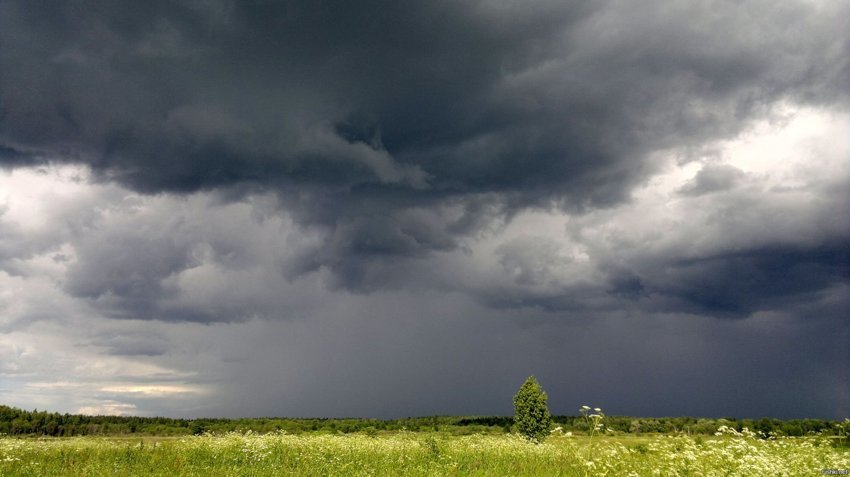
pixel 394 208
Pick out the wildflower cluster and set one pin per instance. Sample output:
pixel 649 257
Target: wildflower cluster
pixel 594 419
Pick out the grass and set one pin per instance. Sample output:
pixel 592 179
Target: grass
pixel 420 453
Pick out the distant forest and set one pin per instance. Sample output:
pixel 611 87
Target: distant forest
pixel 18 422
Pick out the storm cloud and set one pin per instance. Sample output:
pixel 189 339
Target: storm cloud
pixel 176 172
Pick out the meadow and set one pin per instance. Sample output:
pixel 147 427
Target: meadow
pixel 728 453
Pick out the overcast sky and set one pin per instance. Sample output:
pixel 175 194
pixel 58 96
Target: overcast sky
pixel 395 208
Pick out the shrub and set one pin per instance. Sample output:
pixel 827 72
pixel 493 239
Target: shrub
pixel 531 413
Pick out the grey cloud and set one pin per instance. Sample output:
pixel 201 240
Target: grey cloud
pixel 17 244
pixel 126 266
pixel 739 284
pixel 123 270
pixel 625 283
pixel 132 343
pixel 405 104
pixel 452 332
pixel 200 259
pixel 761 257
pixel 713 178
pixel 397 132
pixel 730 254
pixel 12 157
pixel 529 260
pixel 289 190
pixel 195 259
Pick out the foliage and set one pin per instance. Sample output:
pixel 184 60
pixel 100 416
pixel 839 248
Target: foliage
pixel 531 412
pixel 18 422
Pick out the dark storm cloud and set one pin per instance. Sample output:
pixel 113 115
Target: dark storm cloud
pixel 11 157
pixel 762 256
pixel 397 130
pixel 740 283
pixel 553 101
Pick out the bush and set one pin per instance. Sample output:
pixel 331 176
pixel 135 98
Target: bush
pixel 531 412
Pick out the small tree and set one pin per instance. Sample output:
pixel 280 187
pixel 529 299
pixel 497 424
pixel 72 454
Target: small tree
pixel 531 413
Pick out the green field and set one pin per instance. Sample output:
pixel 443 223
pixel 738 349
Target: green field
pixel 420 453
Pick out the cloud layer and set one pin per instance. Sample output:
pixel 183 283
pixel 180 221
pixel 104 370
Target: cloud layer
pixel 356 185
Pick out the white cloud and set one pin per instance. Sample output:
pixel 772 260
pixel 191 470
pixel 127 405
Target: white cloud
pixel 109 408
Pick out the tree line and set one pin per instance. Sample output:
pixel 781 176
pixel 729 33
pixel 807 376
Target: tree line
pixel 19 422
